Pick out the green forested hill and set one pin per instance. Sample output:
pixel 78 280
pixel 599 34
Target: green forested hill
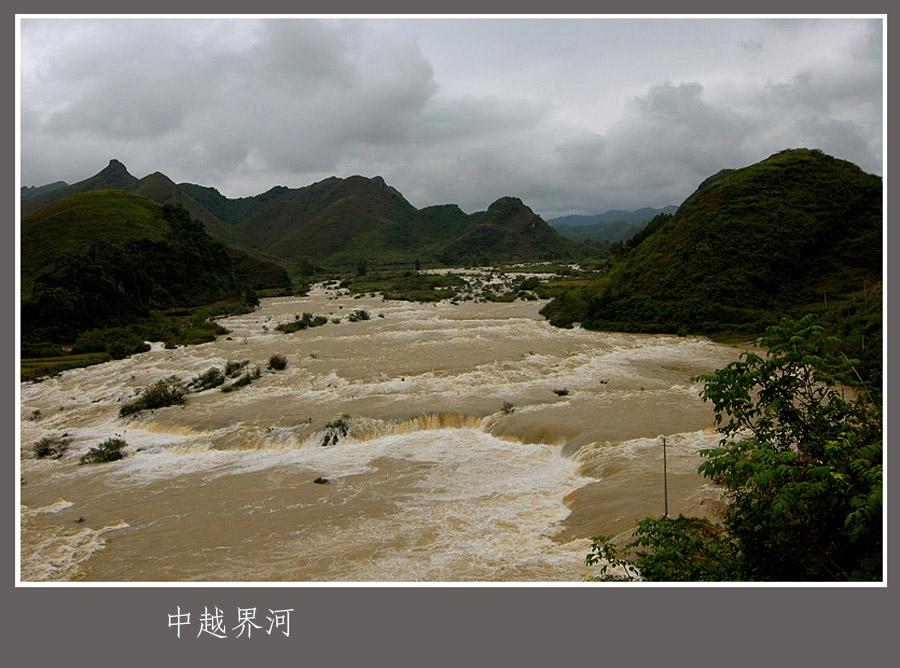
pixel 356 215
pixel 104 258
pixel 75 225
pixel 509 230
pixel 337 222
pixel 795 232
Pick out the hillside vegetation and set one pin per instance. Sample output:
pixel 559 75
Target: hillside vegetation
pixel 782 235
pixel 99 269
pixel 335 223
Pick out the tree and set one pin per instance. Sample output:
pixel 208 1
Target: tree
pixel 306 267
pixel 801 464
pixel 361 267
pixel 801 459
pixel 250 297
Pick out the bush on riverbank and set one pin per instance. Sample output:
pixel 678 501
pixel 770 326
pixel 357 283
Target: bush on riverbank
pixel 801 461
pixel 108 451
pixel 52 447
pixel 166 392
pixel 277 362
pixel 212 377
pixel 304 322
pixel 247 378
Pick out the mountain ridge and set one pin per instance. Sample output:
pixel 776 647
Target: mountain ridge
pixel 338 221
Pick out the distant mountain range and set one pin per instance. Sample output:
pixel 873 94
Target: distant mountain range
pixel 612 216
pixel 336 222
pixel 610 226
pixel 33 191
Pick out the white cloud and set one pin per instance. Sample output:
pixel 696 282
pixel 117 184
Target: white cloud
pixel 570 116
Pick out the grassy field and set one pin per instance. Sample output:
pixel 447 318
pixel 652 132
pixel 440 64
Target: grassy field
pixel 36 367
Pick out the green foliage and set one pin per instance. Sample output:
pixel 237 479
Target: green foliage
pixel 103 261
pixel 358 315
pixel 250 297
pixel 304 322
pixel 683 549
pixel 266 277
pixel 36 368
pixel 613 568
pixel 804 467
pixel 408 285
pixel 361 267
pixel 277 362
pixel 234 368
pixel 306 267
pixel 776 238
pixel 507 408
pixel 118 342
pixel 166 392
pixel 336 430
pixel 244 380
pixel 801 464
pixel 108 451
pixel 53 447
pixel 212 377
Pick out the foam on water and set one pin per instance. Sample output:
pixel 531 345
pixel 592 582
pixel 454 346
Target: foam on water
pixel 483 509
pixel 481 497
pixel 52 552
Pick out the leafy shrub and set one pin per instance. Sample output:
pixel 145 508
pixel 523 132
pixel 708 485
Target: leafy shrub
pixel 358 315
pixel 507 407
pixel 165 392
pixel 277 362
pixel 53 447
pixel 801 461
pixel 244 380
pixel 561 392
pixel 233 369
pixel 671 550
pixel 108 451
pixel 308 320
pixel 336 430
pixel 212 377
pixel 250 297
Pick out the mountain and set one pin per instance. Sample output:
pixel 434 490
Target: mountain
pixel 261 272
pixel 355 216
pixel 336 222
pixel 339 221
pixel 780 237
pixel 610 226
pixel 508 229
pixel 643 215
pixel 28 192
pixel 106 257
pixel 113 177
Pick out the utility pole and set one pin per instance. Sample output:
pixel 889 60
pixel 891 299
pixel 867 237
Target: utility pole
pixel 665 478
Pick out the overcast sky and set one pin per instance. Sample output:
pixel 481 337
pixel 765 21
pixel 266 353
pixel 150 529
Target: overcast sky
pixel 572 116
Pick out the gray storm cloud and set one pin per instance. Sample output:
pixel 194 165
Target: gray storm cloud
pixel 244 105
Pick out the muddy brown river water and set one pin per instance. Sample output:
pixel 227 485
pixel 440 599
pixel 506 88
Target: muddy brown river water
pixel 434 480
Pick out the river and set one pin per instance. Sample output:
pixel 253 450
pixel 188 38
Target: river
pixel 482 444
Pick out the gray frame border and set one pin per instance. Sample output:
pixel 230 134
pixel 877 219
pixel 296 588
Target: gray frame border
pixel 457 625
